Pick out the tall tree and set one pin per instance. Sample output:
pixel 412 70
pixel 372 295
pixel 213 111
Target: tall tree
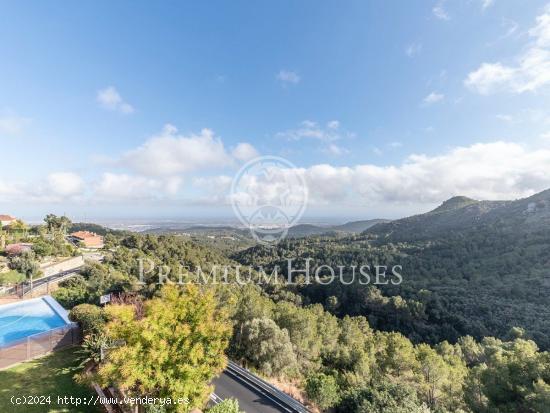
pixel 26 263
pixel 267 347
pixel 174 346
pixel 56 224
pixel 19 229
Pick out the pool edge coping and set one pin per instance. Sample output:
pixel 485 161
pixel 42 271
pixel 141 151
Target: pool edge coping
pixel 64 314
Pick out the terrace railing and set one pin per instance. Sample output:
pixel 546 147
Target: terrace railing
pixel 39 344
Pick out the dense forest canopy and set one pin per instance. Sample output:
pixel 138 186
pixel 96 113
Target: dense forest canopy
pixel 469 267
pixel 463 332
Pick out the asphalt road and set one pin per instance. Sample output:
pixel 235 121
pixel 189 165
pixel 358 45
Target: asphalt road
pixel 227 386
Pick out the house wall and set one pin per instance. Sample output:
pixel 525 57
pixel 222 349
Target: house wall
pixel 94 242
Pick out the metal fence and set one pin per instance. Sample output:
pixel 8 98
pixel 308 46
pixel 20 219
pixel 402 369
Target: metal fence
pixel 21 289
pixel 39 344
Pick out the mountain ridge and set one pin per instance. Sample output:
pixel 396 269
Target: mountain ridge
pixel 461 213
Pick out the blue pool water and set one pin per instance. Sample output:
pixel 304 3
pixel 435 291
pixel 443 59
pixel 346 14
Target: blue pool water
pixel 26 318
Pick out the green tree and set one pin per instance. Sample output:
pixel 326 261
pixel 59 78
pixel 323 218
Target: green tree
pixel 173 346
pixel 227 406
pixel 267 347
pixel 26 263
pixel 539 399
pixel 516 378
pixel 322 390
pixel 72 292
pixel 56 224
pixel 382 397
pixel 397 356
pixel 18 229
pixel 42 247
pixel 441 378
pixel 110 241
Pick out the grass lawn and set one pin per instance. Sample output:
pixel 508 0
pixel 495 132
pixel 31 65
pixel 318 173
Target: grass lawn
pixel 51 375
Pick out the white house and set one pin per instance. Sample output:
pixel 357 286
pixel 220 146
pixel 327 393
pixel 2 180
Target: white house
pixel 6 220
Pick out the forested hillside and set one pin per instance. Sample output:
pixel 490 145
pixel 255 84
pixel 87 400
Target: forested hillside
pixel 461 333
pixel 339 362
pixel 469 267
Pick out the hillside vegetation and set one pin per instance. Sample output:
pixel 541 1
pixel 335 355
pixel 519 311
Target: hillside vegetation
pixel 461 333
pixel 469 267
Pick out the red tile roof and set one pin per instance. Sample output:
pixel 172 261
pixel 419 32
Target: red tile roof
pixel 6 218
pixel 90 239
pixel 84 234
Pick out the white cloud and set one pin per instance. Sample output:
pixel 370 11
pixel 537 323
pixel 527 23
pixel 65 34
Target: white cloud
pixel 55 187
pixel 170 153
pixel 413 49
pixel 113 187
pixel 217 188
pixel 12 124
pixel 485 4
pixel 433 97
pixel 488 77
pixel 395 145
pixel 497 170
pixel 327 134
pixel 529 73
pixel 288 77
pixel 333 149
pixel 65 184
pixel 333 124
pixel 157 167
pixel 244 152
pixel 541 32
pixel 312 130
pixel 440 12
pixel 110 99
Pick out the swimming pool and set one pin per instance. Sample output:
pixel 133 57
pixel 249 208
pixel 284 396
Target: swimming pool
pixel 26 318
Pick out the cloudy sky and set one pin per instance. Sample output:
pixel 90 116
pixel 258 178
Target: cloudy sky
pixel 148 109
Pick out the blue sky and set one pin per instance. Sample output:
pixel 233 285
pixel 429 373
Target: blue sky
pixel 386 107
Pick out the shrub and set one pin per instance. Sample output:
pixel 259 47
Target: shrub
pixel 90 317
pixel 322 390
pixel 72 292
pixel 227 406
pixel 11 277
